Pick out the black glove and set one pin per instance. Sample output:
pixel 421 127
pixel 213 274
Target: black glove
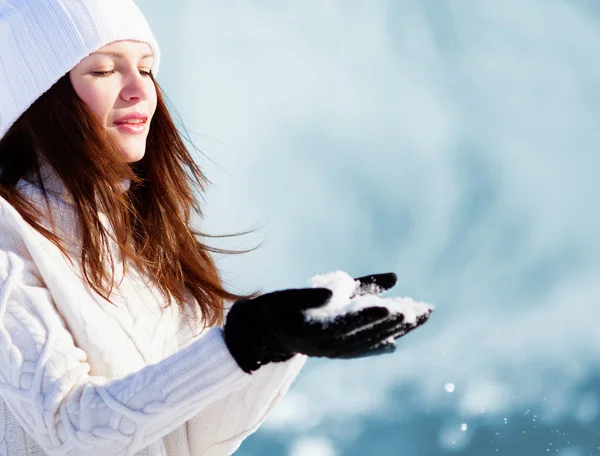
pixel 273 326
pixel 375 284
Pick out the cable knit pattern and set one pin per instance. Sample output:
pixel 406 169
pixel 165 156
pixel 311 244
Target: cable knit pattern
pixel 79 375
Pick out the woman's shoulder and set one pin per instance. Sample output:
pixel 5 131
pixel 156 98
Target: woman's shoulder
pixel 53 209
pixel 17 235
pixel 11 222
pixel 13 230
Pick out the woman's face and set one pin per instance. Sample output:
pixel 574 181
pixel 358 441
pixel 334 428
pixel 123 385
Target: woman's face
pixel 114 82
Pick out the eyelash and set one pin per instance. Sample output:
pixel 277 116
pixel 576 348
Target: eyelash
pixel 103 74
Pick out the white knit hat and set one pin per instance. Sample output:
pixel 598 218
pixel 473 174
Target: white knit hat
pixel 42 40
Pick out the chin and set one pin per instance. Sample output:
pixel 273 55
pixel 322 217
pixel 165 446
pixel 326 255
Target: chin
pixel 132 157
pixel 132 149
pixel 133 152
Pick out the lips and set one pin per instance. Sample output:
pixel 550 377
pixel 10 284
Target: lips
pixel 133 118
pixel 134 123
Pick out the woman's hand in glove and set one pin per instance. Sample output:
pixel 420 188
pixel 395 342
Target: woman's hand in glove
pixel 375 284
pixel 273 326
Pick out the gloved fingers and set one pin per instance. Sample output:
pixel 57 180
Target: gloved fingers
pixel 375 284
pixel 355 321
pixel 372 335
pixel 405 328
pixel 408 328
pixel 364 351
pixel 351 327
pixel 394 328
pixel 390 323
pixel 357 344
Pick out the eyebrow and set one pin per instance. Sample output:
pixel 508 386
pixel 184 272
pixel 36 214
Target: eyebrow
pixel 119 55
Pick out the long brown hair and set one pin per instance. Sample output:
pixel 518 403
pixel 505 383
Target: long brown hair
pixel 150 221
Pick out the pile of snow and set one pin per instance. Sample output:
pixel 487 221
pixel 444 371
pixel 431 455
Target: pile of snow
pixel 345 299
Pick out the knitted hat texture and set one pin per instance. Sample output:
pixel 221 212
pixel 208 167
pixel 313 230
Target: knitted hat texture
pixel 42 40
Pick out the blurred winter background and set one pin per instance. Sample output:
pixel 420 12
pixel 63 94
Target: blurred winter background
pixel 453 142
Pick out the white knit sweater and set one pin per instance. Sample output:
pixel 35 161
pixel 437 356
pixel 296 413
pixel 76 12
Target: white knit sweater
pixel 80 376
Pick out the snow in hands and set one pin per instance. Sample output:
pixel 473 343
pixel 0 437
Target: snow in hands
pixel 349 297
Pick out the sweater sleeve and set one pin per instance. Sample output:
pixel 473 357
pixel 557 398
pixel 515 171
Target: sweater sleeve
pixel 45 381
pixel 223 425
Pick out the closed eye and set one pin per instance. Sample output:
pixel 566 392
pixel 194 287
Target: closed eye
pixel 100 74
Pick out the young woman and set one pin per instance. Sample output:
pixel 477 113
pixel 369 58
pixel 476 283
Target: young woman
pixel 113 336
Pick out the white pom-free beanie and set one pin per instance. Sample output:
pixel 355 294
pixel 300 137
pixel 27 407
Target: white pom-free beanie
pixel 42 40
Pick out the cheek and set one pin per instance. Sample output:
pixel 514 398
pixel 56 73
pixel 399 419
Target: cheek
pixel 95 97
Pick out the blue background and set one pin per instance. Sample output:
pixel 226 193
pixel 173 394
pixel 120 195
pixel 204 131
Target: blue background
pixel 453 142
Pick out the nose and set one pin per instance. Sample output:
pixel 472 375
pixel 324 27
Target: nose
pixel 135 88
